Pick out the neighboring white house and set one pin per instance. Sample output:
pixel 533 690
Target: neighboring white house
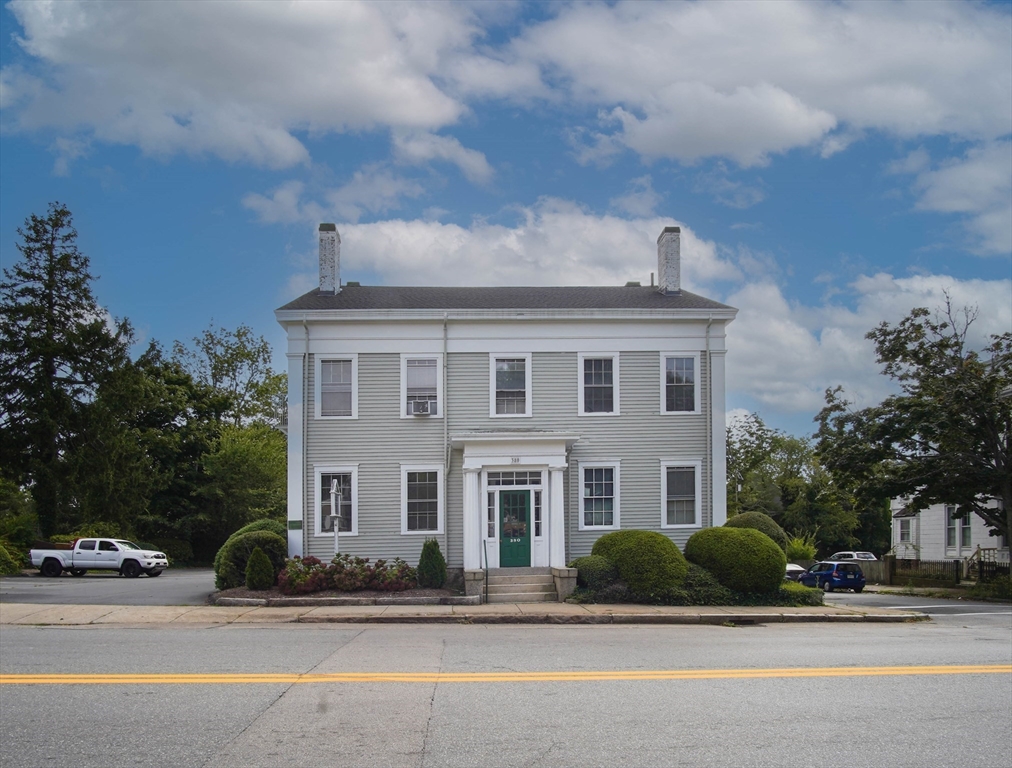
pixel 514 425
pixel 934 534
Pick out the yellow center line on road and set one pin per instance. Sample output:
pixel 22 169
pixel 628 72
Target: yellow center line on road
pixel 494 677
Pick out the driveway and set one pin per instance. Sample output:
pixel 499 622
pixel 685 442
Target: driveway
pixel 176 586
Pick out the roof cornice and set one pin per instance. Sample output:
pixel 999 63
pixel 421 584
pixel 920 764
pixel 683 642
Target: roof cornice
pixel 438 315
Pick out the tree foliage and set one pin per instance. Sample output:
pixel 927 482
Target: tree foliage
pixel 946 437
pixel 56 346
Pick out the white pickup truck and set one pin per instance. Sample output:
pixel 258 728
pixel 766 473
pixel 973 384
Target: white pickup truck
pixel 105 554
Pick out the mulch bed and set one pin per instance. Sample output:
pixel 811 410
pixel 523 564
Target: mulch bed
pixel 274 592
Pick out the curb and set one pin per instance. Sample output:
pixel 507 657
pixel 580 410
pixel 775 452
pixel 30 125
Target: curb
pixel 316 602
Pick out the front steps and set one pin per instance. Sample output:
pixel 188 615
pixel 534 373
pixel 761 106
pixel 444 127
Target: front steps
pixel 521 585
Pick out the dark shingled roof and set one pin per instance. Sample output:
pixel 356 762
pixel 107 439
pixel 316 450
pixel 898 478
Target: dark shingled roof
pixel 390 297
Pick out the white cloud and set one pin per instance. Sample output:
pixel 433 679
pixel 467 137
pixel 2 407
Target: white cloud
pixel 418 147
pixel 640 199
pixel 733 194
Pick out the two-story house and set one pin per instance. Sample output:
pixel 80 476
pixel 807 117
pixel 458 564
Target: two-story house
pixel 514 425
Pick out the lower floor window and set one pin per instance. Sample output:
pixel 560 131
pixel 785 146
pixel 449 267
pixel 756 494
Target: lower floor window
pixel 680 485
pixel 340 483
pixel 904 530
pixel 423 501
pixel 600 497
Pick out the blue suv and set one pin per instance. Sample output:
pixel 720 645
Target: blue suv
pixel 834 574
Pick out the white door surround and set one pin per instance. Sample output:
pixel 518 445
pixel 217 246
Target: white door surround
pixel 516 451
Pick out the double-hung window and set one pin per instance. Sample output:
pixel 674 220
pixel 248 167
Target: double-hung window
pixel 680 382
pixel 681 494
pixel 950 526
pixel 341 484
pixel 421 385
pixel 336 387
pixel 598 384
pixel 905 531
pixel 421 499
pixel 599 504
pixel 510 385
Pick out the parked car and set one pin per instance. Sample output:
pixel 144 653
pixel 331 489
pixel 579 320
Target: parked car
pixel 831 575
pixel 100 554
pixel 853 556
pixel 793 572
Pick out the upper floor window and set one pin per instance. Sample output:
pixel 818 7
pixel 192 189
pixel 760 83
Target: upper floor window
pixel 681 494
pixel 598 390
pixel 510 377
pixel 337 387
pixel 680 383
pixel 421 385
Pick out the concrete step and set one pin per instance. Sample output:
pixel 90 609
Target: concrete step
pixel 521 580
pixel 527 589
pixel 529 571
pixel 523 597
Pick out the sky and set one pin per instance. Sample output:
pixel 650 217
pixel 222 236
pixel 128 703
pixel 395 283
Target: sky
pixel 832 165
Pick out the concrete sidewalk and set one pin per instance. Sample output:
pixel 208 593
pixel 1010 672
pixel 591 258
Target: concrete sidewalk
pixel 509 613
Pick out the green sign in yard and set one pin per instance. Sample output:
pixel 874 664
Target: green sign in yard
pixel 515 538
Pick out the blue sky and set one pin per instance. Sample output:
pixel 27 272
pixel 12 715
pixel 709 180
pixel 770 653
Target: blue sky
pixel 832 164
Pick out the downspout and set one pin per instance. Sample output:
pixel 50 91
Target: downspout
pixel 709 426
pixel 446 447
pixel 305 435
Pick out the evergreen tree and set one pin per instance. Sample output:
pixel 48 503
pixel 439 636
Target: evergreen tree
pixel 56 346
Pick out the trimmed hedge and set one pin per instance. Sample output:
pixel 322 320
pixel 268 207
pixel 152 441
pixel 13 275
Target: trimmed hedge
pixel 759 521
pixel 594 572
pixel 9 564
pixel 742 559
pixel 274 526
pixel 259 571
pixel 233 557
pixel 431 566
pixel 648 562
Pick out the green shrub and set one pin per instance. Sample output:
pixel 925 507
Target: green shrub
pixel 259 571
pixel 800 548
pixel 431 566
pixel 743 559
pixel 701 587
pixel 594 572
pixel 9 564
pixel 759 521
pixel 265 524
pixel 91 531
pixel 302 575
pixel 177 550
pixel 234 555
pixel 648 562
pixel 999 588
pixel 19 531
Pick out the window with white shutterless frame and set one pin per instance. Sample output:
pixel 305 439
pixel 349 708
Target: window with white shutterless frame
pixel 680 377
pixel 335 386
pixel 598 383
pixel 600 497
pixel 346 477
pixel 681 493
pixel 422 499
pixel 510 385
pixel 422 383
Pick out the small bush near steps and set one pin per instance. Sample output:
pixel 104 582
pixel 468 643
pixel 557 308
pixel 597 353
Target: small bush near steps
pixel 259 571
pixel 305 575
pixel 431 566
pixel 594 572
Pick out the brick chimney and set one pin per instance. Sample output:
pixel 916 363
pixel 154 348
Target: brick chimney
pixel 669 268
pixel 330 259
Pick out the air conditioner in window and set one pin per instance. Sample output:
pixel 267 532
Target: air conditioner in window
pixel 421 407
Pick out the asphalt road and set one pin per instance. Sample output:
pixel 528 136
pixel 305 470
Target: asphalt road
pixel 176 586
pixel 944 609
pixel 912 704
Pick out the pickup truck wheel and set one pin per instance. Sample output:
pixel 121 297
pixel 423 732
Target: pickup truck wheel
pixel 78 571
pixel 131 569
pixel 51 568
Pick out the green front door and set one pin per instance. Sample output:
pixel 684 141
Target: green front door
pixel 514 521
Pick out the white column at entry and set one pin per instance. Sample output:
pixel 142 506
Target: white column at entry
pixel 472 520
pixel 557 521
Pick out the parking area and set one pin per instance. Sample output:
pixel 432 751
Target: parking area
pixel 176 586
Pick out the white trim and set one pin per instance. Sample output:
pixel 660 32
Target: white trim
pixel 528 376
pixel 527 315
pixel 614 357
pixel 667 464
pixel 616 510
pixel 438 469
pixel 317 362
pixel 296 472
pixel 718 439
pixel 328 469
pixel 405 356
pixel 697 375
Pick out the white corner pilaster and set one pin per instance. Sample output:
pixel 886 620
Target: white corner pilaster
pixel 557 520
pixel 296 469
pixel 718 423
pixel 472 519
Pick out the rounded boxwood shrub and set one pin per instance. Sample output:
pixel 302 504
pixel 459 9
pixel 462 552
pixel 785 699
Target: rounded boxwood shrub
pixel 648 562
pixel 235 554
pixel 431 566
pixel 594 572
pixel 259 571
pixel 742 559
pixel 265 524
pixel 759 521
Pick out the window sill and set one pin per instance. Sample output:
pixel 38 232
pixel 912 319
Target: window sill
pixel 683 526
pixel 597 414
pixel 438 532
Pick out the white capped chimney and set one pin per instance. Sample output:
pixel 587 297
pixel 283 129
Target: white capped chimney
pixel 330 259
pixel 669 267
